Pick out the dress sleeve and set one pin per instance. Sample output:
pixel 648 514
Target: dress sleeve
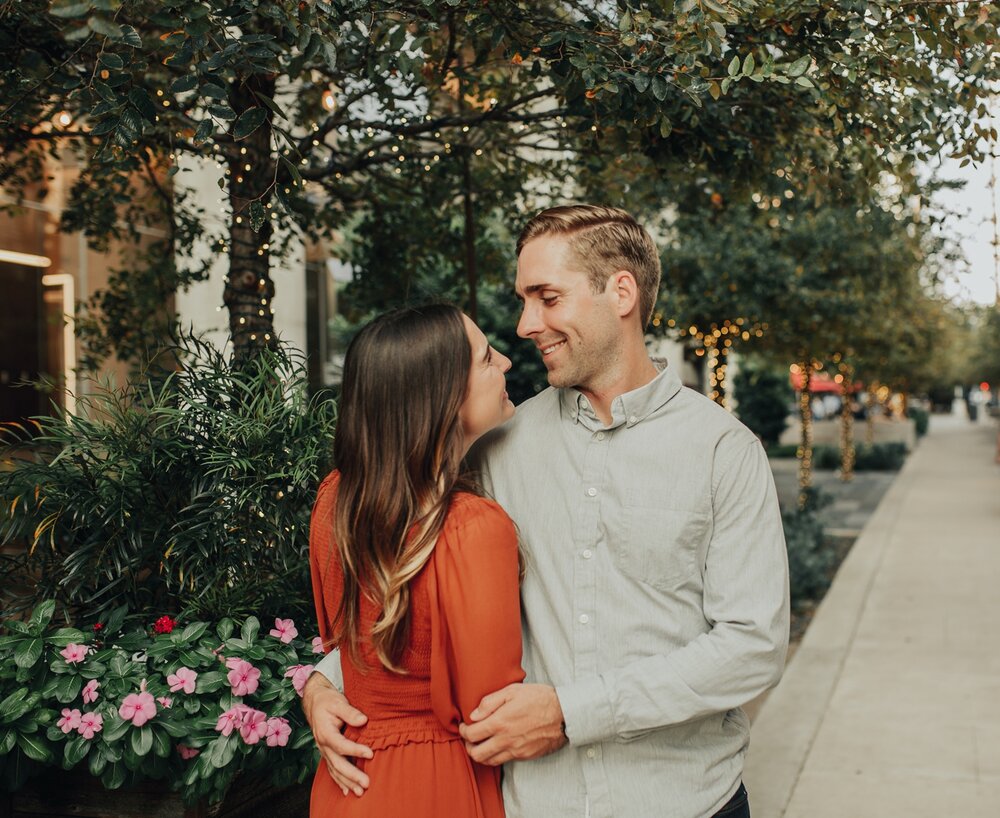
pixel 475 610
pixel 325 583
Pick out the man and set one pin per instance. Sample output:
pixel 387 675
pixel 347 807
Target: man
pixel 656 597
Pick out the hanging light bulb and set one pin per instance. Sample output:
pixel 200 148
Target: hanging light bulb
pixel 329 99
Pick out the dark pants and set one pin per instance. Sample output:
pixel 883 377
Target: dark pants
pixel 738 806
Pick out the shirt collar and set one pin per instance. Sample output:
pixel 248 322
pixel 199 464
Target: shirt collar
pixel 628 409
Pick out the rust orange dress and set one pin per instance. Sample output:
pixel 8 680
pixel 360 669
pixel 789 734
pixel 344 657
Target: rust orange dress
pixel 464 642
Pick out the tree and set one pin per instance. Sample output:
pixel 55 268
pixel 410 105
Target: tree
pixel 303 103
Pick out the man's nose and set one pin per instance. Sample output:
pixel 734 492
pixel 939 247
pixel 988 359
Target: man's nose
pixel 529 323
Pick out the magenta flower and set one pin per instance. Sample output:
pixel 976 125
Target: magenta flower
pixel 90 724
pixel 138 708
pixel 166 701
pixel 183 679
pixel 243 677
pixel 90 691
pixel 70 720
pixel 187 752
pixel 284 629
pixel 317 644
pixel 74 653
pixel 299 675
pixel 278 731
pixel 231 719
pixel 254 726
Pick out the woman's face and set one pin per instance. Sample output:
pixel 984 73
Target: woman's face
pixel 486 403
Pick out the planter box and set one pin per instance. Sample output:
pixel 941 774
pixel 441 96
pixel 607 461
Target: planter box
pixel 75 794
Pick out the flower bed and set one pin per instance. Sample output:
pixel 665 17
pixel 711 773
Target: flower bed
pixel 193 704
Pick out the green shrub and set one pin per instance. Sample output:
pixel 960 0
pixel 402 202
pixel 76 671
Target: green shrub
pixel 880 457
pixel 188 495
pixel 763 397
pixel 810 556
pixel 921 419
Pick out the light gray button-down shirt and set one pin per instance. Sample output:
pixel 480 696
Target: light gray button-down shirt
pixel 655 601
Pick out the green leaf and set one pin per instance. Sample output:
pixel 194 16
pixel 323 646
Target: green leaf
pixel 805 82
pixel 659 88
pixel 714 90
pixel 75 751
pixel 28 652
pixel 223 112
pixel 42 614
pixel 799 67
pixel 34 748
pixel 210 682
pixel 68 688
pixel 98 761
pixel 734 66
pixel 250 628
pixel 204 131
pixel 225 628
pixel 161 743
pixel 185 83
pixel 112 61
pixel 130 37
pixel 256 215
pixel 143 103
pixel 749 64
pixel 100 25
pixel 248 122
pixel 114 775
pixel 222 751
pixel 330 54
pixel 8 738
pixel 14 706
pixel 641 82
pixel 141 740
pixel 64 636
pixel 114 729
pixel 69 8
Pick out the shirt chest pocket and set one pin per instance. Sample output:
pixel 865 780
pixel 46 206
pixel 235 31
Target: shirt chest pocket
pixel 659 546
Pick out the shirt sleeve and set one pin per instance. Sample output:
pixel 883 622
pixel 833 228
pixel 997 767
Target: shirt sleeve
pixel 746 604
pixel 476 611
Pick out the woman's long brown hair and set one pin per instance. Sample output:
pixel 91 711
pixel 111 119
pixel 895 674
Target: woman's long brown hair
pixel 399 446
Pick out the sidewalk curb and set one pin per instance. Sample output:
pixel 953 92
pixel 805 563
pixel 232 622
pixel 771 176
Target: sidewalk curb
pixel 784 731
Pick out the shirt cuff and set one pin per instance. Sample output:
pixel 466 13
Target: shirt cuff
pixel 586 711
pixel 329 666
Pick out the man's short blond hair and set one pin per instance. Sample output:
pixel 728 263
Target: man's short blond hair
pixel 603 240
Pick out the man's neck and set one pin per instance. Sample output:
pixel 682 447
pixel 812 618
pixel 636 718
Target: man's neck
pixel 634 375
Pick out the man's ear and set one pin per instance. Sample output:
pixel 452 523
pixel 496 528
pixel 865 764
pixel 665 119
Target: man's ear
pixel 622 285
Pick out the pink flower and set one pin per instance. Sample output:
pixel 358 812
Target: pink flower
pixel 254 726
pixel 91 723
pixel 187 752
pixel 90 691
pixel 230 720
pixel 300 675
pixel 242 676
pixel 166 701
pixel 70 720
pixel 278 731
pixel 284 629
pixel 73 653
pixel 183 679
pixel 138 708
pixel 317 644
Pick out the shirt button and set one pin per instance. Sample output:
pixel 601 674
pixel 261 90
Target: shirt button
pixel 632 419
pixel 601 435
pixel 591 752
pixel 591 492
pixel 587 554
pixel 584 619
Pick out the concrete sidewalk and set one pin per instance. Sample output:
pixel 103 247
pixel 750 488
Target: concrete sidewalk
pixel 891 707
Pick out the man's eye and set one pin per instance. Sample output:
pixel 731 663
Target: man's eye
pixel 549 300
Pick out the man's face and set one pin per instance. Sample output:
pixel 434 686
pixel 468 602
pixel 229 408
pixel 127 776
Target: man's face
pixel 577 332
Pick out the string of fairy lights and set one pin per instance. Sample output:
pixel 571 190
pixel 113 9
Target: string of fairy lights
pixel 715 342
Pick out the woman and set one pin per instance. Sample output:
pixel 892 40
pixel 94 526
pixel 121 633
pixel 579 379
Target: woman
pixel 415 576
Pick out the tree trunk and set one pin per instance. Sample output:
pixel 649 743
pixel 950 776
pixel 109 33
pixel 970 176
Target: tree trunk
pixel 870 414
pixel 806 444
pixel 847 453
pixel 471 273
pixel 249 289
